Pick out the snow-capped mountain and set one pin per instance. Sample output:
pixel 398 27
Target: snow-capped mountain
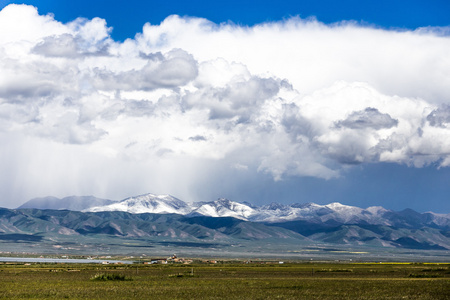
pixel 333 213
pixel 345 214
pixel 148 203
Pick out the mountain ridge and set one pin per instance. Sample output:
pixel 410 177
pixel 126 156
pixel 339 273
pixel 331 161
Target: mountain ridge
pixel 270 213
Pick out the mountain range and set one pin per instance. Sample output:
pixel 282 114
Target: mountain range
pixel 164 215
pixel 334 213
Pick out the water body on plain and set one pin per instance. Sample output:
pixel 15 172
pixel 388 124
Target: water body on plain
pixel 62 260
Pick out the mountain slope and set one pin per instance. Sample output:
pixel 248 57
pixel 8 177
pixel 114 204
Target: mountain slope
pixel 371 235
pixel 123 224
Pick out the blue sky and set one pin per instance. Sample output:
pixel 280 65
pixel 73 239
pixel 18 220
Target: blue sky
pixel 128 17
pixel 297 110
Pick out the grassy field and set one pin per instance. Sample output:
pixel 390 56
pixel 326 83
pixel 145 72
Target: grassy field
pixel 226 281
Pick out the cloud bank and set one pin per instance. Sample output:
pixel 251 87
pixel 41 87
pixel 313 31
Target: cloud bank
pixel 187 100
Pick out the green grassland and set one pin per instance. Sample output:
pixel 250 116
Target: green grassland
pixel 226 280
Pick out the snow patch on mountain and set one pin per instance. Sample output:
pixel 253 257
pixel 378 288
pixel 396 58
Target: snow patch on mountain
pixel 223 208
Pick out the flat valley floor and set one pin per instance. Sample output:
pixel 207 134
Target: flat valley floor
pixel 226 280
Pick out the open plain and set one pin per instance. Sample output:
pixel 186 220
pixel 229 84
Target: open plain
pixel 226 280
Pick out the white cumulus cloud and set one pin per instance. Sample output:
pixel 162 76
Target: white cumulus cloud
pixel 187 100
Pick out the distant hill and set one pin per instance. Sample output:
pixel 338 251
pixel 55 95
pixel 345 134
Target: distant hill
pixel 77 203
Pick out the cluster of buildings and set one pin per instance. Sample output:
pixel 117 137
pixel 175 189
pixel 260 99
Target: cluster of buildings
pixel 171 259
